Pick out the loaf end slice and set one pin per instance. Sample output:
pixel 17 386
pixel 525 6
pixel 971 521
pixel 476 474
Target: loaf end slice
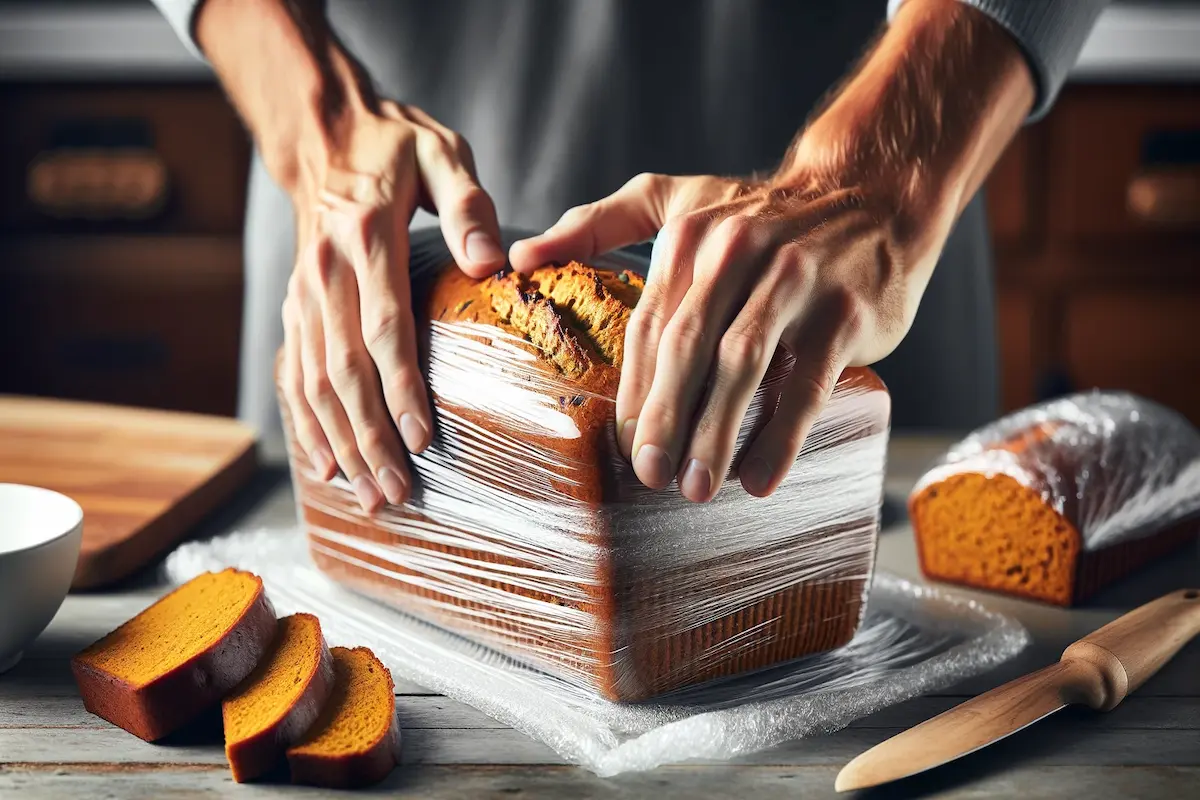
pixel 356 742
pixel 278 703
pixel 991 532
pixel 180 656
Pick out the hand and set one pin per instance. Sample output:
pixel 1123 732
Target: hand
pixel 738 269
pixel 350 374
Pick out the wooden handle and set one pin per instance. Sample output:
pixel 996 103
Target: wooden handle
pixel 1122 655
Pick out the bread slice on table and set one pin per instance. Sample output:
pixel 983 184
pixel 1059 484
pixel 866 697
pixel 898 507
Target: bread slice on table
pixel 357 740
pixel 274 707
pixel 180 656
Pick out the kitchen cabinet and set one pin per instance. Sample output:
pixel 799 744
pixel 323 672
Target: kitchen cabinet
pixel 121 212
pixel 1095 215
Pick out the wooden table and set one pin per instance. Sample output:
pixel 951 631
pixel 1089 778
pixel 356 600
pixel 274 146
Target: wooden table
pixel 1148 747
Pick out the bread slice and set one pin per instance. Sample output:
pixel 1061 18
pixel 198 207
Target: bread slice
pixel 180 656
pixel 279 702
pixel 357 740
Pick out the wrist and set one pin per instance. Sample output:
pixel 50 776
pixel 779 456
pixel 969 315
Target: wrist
pixel 294 85
pixel 922 121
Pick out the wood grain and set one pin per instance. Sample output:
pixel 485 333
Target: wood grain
pixel 148 782
pixel 143 477
pixel 1149 746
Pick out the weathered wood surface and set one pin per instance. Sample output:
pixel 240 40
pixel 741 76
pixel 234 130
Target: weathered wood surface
pixel 1148 747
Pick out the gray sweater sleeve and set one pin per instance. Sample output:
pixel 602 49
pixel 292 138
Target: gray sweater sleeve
pixel 181 14
pixel 1049 32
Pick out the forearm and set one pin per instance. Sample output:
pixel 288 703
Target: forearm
pixel 291 81
pixel 920 124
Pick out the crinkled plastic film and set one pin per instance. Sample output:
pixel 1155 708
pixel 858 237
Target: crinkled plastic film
pixel 529 533
pixel 1117 466
pixel 913 640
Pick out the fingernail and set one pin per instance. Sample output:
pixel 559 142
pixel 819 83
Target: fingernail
pixel 625 436
pixel 756 475
pixel 653 466
pixel 368 494
pixel 414 433
pixel 697 481
pixel 482 249
pixel 322 461
pixel 394 487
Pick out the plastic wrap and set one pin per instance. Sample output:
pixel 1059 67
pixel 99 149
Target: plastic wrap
pixel 529 533
pixel 1117 466
pixel 1057 501
pixel 913 640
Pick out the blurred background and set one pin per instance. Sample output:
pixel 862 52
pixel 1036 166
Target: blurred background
pixel 122 193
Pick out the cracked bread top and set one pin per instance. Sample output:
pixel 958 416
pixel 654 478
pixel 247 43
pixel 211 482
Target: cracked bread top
pixel 575 315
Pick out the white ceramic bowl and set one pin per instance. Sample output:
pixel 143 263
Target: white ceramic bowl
pixel 40 531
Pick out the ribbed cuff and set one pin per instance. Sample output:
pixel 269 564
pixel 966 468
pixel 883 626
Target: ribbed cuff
pixel 181 14
pixel 1050 33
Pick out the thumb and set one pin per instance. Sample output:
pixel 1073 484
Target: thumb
pixel 634 213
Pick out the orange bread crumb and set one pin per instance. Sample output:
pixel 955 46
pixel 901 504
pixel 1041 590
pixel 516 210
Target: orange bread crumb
pixel 357 740
pixel 993 533
pixel 279 702
pixel 178 657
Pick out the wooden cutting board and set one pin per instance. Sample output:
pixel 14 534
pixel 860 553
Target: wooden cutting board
pixel 143 477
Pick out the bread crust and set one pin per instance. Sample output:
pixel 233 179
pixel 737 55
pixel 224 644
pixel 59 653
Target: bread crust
pixel 355 770
pixel 257 755
pixel 174 698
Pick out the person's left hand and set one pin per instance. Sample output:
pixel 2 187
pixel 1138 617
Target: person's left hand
pixel 738 269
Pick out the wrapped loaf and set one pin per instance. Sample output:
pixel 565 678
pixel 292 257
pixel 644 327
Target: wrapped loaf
pixel 528 532
pixel 1061 499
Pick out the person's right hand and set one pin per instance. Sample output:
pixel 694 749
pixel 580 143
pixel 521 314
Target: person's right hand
pixel 350 375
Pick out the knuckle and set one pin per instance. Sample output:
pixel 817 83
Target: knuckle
pixel 381 326
pixel 317 389
pixel 373 442
pixel 646 321
pixel 405 378
pixel 643 182
pixel 345 367
pixel 348 458
pixel 735 234
pixel 471 199
pixel 684 334
pixel 575 215
pixel 849 309
pixel 742 348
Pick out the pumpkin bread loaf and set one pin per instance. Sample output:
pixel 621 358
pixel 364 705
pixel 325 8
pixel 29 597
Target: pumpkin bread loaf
pixel 1057 501
pixel 356 741
pixel 180 656
pixel 274 707
pixel 528 531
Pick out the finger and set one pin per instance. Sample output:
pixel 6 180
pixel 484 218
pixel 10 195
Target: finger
pixel 379 256
pixel 744 355
pixel 354 418
pixel 309 435
pixel 723 276
pixel 634 213
pixel 804 394
pixel 465 211
pixel 321 397
pixel 669 280
pixel 819 343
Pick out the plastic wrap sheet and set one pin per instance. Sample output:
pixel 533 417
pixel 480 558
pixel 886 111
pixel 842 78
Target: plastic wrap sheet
pixel 1116 465
pixel 913 640
pixel 528 532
